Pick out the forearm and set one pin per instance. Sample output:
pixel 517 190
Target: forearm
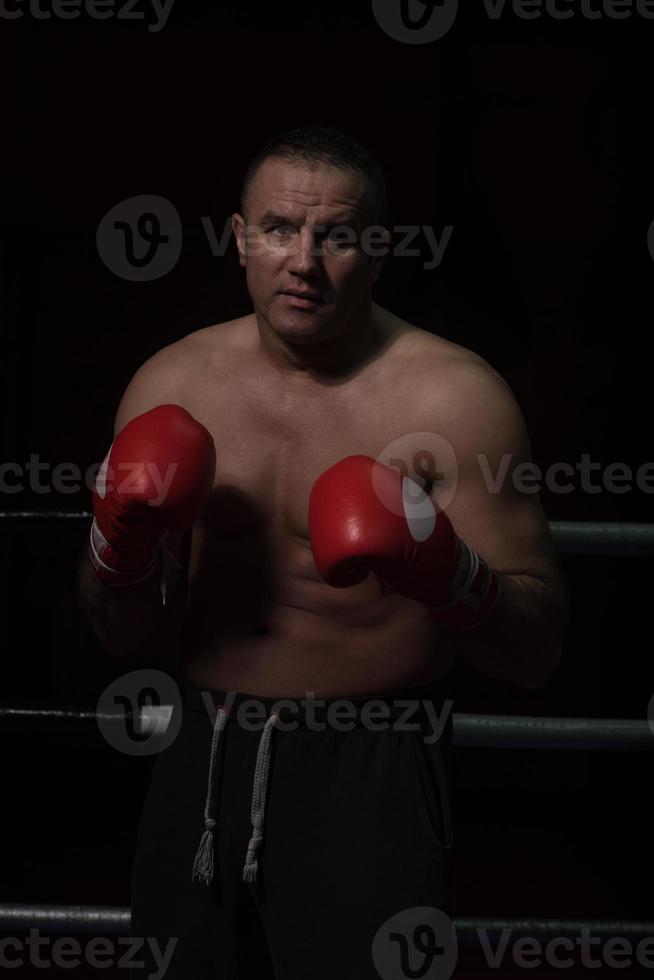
pixel 123 618
pixel 521 639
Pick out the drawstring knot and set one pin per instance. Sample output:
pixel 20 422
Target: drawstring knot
pixel 261 771
pixel 203 865
pixel 204 858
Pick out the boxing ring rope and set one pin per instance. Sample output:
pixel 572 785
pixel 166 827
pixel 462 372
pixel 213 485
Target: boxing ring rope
pixel 602 538
pixel 479 731
pixel 469 731
pixel 571 537
pixel 76 920
pixel 108 920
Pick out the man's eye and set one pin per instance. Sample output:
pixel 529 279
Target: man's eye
pixel 284 229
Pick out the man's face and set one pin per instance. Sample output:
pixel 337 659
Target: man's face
pixel 304 235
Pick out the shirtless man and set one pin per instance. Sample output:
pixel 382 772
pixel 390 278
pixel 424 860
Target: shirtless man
pixel 316 383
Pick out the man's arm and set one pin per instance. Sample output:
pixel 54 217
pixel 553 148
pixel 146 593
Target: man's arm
pixel 488 503
pixel 125 618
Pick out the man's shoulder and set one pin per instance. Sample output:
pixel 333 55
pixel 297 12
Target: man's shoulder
pixel 174 372
pixel 209 348
pixel 466 397
pixel 228 336
pixel 454 393
pixel 445 366
pixel 450 387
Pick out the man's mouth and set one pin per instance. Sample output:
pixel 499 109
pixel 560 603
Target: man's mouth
pixel 303 298
pixel 304 294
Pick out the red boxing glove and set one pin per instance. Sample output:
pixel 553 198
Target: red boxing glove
pixel 365 516
pixel 156 477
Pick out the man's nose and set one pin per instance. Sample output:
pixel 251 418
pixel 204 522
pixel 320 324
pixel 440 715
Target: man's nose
pixel 305 253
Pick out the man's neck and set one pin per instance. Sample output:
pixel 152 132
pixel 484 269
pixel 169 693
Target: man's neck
pixel 328 362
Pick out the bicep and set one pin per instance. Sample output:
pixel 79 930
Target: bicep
pixel 489 500
pixel 157 382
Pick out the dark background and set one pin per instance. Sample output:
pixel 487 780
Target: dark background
pixel 530 138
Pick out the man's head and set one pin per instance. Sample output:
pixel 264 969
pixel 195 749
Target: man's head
pixel 313 210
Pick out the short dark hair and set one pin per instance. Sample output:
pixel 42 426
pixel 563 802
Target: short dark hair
pixel 316 145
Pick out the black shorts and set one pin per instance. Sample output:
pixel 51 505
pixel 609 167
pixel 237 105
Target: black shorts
pixel 344 807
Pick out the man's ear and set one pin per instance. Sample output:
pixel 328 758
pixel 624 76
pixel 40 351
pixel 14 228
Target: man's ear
pixel 380 244
pixel 238 228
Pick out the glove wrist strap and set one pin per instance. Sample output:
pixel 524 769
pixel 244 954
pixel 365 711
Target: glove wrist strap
pixel 476 589
pixel 98 550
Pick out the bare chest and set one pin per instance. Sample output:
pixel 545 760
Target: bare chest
pixel 270 452
pixel 275 435
pixel 257 602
